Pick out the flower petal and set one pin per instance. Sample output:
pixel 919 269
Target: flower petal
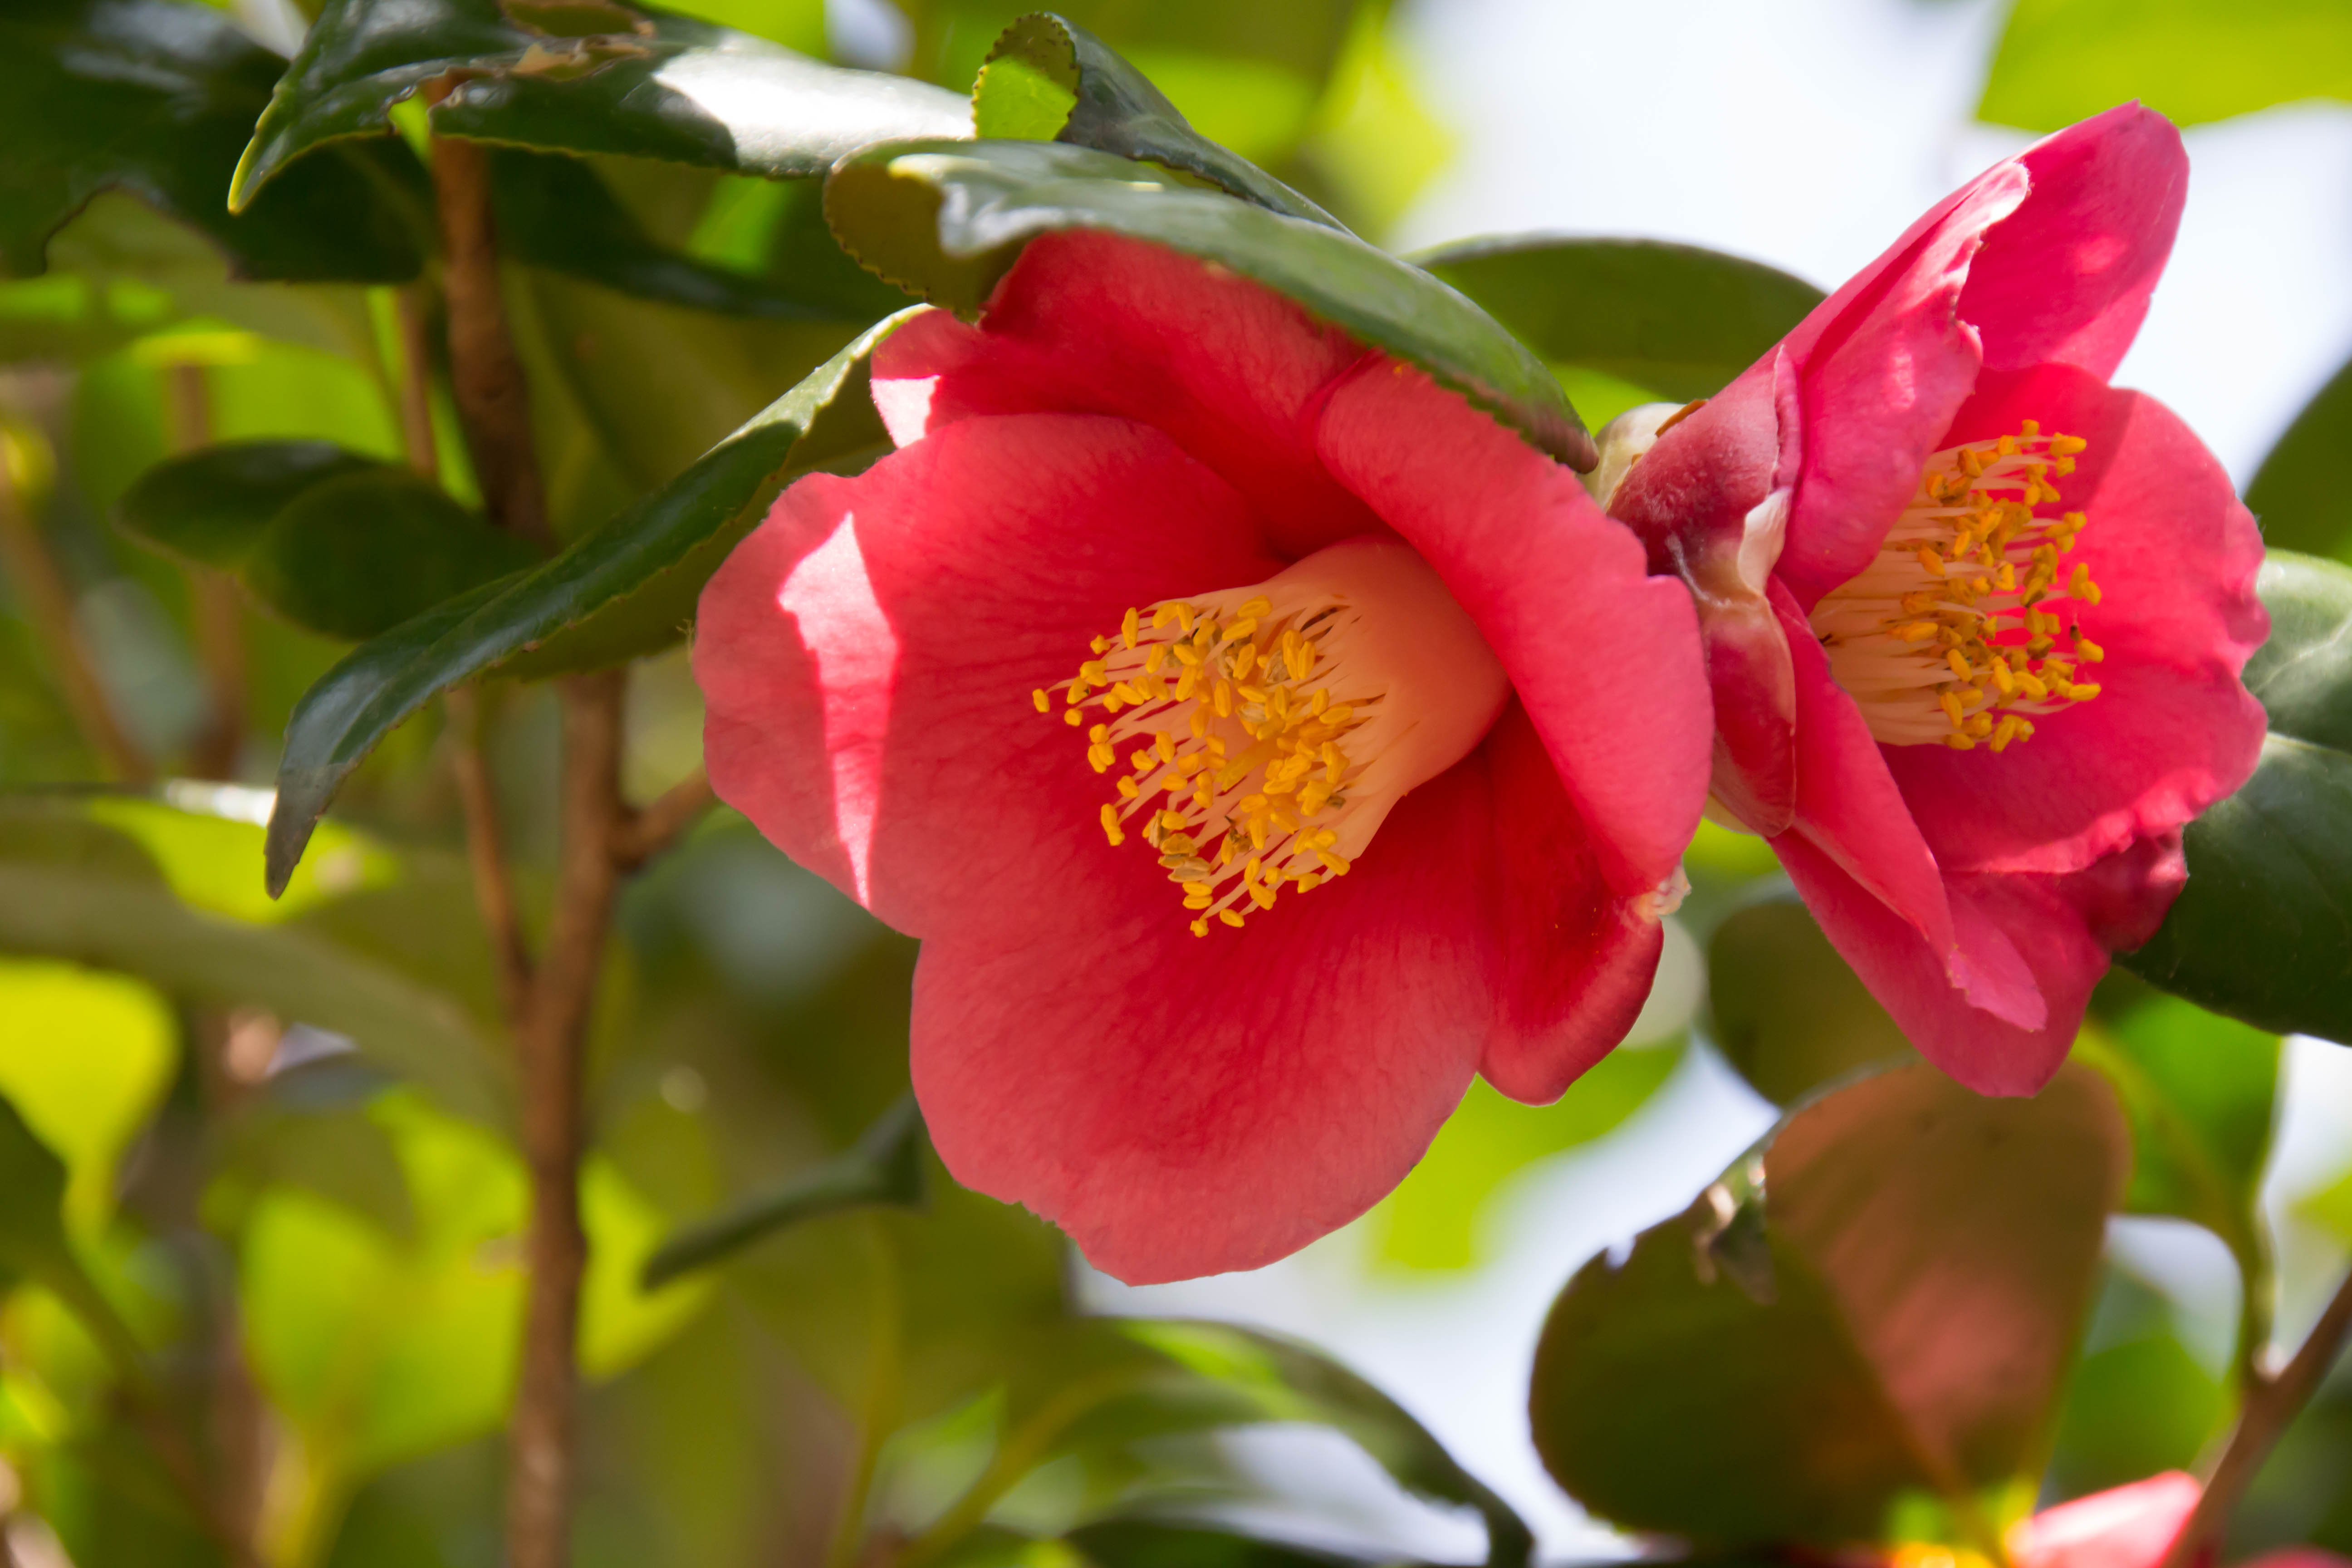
pixel 1093 322
pixel 2173 730
pixel 2065 279
pixel 867 657
pixel 2125 1526
pixel 1604 657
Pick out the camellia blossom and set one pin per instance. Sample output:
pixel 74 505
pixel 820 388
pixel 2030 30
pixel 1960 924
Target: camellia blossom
pixel 2128 1526
pixel 1974 619
pixel 1260 739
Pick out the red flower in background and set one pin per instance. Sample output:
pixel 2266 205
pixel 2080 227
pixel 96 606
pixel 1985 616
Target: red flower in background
pixel 1176 612
pixel 2130 1526
pixel 1974 619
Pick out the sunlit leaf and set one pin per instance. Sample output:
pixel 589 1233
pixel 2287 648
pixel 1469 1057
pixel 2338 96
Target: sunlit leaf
pixel 2264 930
pixel 622 590
pixel 607 78
pixel 948 219
pixel 85 1057
pixel 1864 1325
pixel 158 98
pixel 1676 320
pixel 2190 60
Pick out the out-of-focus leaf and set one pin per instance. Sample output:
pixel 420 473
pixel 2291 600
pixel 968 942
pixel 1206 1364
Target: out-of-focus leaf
pixel 554 212
pixel 1676 320
pixel 158 98
pixel 948 219
pixel 32 1200
pixel 1047 79
pixel 2295 494
pixel 2190 60
pixel 600 77
pixel 75 887
pixel 884 1166
pixel 1151 1543
pixel 335 542
pixel 1788 1013
pixel 2200 1092
pixel 1431 1221
pixel 621 590
pixel 2264 930
pixel 2138 1402
pixel 1283 1380
pixel 1875 1314
pixel 85 1057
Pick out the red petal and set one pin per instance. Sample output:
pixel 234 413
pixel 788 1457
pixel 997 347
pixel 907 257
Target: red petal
pixel 2125 1526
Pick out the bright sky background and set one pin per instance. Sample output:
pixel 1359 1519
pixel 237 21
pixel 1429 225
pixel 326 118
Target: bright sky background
pixel 1807 133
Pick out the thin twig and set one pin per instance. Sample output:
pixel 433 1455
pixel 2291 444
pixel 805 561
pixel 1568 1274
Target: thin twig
pixel 216 615
pixel 548 1046
pixel 2271 1406
pixel 485 854
pixel 485 373
pixel 643 834
pixel 417 441
pixel 47 604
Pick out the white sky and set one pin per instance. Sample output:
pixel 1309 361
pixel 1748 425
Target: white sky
pixel 1808 135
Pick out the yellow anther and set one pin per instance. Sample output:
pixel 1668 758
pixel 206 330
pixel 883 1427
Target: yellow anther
pixel 2089 649
pixel 1959 666
pixel 1129 623
pixel 1950 701
pixel 1230 918
pixel 1045 704
pixel 1070 717
pixel 1110 826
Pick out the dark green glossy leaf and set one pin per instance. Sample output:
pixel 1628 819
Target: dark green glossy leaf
pixel 1788 1013
pixel 946 220
pixel 158 98
pixel 2298 493
pixel 2264 930
pixel 884 1166
pixel 1678 320
pixel 335 542
pixel 603 79
pixel 621 589
pixel 1048 80
pixel 1152 1543
pixel 1871 1318
pixel 1280 1379
pixel 554 212
pixel 2190 60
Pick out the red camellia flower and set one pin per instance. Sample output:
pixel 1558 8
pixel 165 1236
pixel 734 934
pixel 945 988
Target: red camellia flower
pixel 1261 738
pixel 2128 1527
pixel 1974 619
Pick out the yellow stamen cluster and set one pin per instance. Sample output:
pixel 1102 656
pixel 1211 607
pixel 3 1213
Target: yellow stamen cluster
pixel 1966 623
pixel 1225 745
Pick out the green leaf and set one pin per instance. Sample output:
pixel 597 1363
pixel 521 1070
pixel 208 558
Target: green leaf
pixel 2298 493
pixel 1859 1334
pixel 32 1200
pixel 1280 1379
pixel 335 542
pixel 946 220
pixel 75 886
pixel 622 589
pixel 2264 930
pixel 1676 320
pixel 554 212
pixel 607 78
pixel 86 1057
pixel 1788 1013
pixel 885 1166
pixel 2190 60
pixel 1153 1543
pixel 1047 79
pixel 158 98
pixel 1432 1220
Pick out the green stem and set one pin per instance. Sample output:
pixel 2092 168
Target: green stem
pixel 884 1383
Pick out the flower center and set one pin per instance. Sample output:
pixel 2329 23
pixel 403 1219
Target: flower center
pixel 1260 734
pixel 1966 623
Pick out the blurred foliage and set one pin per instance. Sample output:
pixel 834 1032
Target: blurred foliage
pixel 2192 60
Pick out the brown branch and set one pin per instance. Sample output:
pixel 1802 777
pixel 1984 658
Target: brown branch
pixel 485 854
pixel 550 1047
pixel 417 440
pixel 47 604
pixel 485 373
pixel 643 834
pixel 2270 1408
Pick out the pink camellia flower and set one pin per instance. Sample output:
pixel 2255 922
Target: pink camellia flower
pixel 1261 738
pixel 2131 1527
pixel 1974 619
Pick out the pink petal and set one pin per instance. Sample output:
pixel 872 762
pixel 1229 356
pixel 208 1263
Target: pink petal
pixel 2065 279
pixel 1094 322
pixel 868 655
pixel 1604 657
pixel 2126 1527
pixel 2173 730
